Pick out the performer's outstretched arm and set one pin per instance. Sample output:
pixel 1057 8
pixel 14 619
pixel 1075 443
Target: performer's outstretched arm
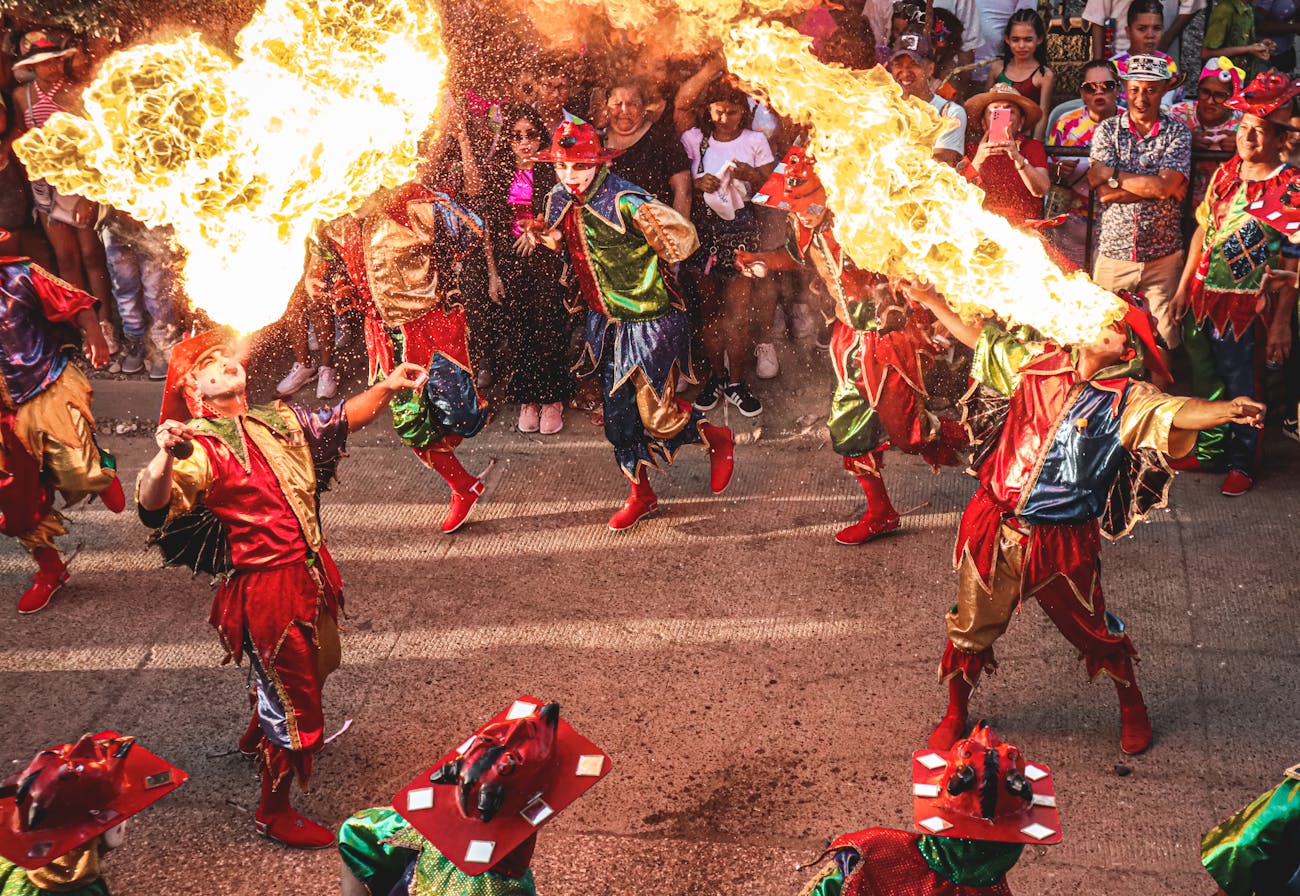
pixel 363 409
pixel 924 294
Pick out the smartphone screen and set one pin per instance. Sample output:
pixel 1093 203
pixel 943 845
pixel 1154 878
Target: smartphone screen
pixel 1000 126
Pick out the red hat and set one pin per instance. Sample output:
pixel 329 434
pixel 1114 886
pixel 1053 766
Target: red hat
pixel 486 797
pixel 1270 91
pixel 176 403
pixel 70 794
pixel 1279 207
pixel 984 790
pixel 794 185
pixel 576 142
pixel 1142 326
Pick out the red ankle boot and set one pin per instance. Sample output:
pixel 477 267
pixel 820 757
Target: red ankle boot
pixel 113 497
pixel 465 489
pixel 461 505
pixel 639 504
pixel 1134 723
pixel 49 578
pixel 722 456
pixel 881 517
pixel 952 727
pixel 276 819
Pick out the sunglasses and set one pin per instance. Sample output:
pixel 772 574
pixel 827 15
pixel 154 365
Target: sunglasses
pixel 1099 86
pixel 524 135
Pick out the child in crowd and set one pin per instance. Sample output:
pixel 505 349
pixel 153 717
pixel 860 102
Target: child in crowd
pixel 1146 28
pixel 1022 62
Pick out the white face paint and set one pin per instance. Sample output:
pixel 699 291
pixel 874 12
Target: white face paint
pixel 576 176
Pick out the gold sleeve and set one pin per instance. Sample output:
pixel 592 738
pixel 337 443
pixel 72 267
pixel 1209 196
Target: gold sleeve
pixel 191 477
pixel 1148 422
pixel 672 236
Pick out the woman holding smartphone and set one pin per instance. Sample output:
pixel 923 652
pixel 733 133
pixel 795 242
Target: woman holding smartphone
pixel 1010 166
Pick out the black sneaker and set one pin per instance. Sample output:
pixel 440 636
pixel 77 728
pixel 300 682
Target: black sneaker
pixel 710 393
pixel 744 400
pixel 1290 429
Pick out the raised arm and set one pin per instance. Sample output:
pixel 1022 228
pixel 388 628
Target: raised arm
pixel 363 409
pixel 925 295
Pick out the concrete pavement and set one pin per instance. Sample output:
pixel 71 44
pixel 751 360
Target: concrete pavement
pixel 759 687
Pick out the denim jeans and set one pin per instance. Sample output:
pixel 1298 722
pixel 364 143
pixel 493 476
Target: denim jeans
pixel 142 288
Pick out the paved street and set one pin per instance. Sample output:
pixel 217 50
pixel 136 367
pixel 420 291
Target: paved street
pixel 759 687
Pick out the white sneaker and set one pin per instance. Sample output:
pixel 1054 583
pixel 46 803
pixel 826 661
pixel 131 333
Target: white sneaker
pixel 804 324
pixel 767 366
pixel 327 383
pixel 298 376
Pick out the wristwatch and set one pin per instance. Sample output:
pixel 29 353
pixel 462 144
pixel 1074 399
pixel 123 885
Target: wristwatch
pixel 1113 183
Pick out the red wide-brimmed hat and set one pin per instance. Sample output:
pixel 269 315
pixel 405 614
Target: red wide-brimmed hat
pixel 1141 323
pixel 487 796
pixel 1270 91
pixel 185 354
pixel 37 46
pixel 983 789
pixel 576 142
pixel 70 794
pixel 794 185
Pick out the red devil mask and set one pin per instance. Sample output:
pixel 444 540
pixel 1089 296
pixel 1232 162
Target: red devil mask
pixel 794 185
pixel 493 792
pixel 984 790
pixel 1270 91
pixel 71 793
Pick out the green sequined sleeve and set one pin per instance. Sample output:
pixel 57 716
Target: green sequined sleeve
pixel 998 359
pixel 365 852
pixel 1237 850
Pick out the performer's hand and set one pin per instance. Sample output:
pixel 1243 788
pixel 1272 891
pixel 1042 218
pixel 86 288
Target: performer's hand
pixel 1246 411
pixel 171 433
pixel 406 376
pixel 1279 341
pixel 533 230
pixel 496 289
pixel 921 293
pixel 96 346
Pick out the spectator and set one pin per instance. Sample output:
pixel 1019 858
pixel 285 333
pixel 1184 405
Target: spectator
pixel 1145 27
pixel 537 320
pixel 1230 32
pixel 1140 161
pixel 310 307
pixel 993 22
pixel 552 90
pixel 1099 90
pixel 1022 63
pixel 652 156
pixel 1012 172
pixel 912 65
pixel 1276 20
pixel 1176 14
pixel 13 192
pixel 948 43
pixel 1232 251
pixel 729 162
pixel 1212 122
pixel 140 264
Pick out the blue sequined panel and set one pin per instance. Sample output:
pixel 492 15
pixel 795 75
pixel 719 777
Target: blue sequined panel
pixel 1246 250
pixel 452 399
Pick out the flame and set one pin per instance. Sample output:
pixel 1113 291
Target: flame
pixel 325 104
pixel 899 212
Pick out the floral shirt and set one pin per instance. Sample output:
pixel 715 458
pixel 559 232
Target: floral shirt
pixel 1149 228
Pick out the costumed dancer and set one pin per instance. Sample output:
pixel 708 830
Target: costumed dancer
pixel 398 257
pixel 1072 446
pixel 1256 852
pixel 1244 323
pixel 47 431
pixel 616 236
pixel 880 349
pixel 69 806
pixel 977 804
pixel 468 825
pixel 235 493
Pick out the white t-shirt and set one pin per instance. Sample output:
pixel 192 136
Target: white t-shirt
pixel 880 14
pixel 750 147
pixel 955 139
pixel 994 15
pixel 1098 11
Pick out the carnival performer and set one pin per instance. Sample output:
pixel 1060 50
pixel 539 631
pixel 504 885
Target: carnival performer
pixel 69 806
pixel 1223 281
pixel 47 431
pixel 397 257
pixel 234 492
pixel 1256 852
pixel 616 236
pixel 880 350
pixel 1048 473
pixel 977 805
pixel 474 830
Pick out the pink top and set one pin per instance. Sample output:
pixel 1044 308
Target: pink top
pixel 43 106
pixel 520 198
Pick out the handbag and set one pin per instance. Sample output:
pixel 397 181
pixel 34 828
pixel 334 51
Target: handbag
pixel 1060 198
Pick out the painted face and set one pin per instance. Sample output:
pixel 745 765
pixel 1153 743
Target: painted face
pixel 726 118
pixel 576 176
pixel 1145 33
pixel 1259 140
pixel 1022 41
pixel 1111 346
pixel 219 373
pixel 626 110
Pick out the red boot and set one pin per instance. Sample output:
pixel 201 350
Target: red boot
pixel 640 503
pixel 276 820
pixel 49 578
pixel 1134 723
pixel 112 497
pixel 881 517
pixel 952 727
pixel 465 489
pixel 722 456
pixel 250 739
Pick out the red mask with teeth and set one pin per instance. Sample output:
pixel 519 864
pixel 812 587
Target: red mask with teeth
pixel 66 785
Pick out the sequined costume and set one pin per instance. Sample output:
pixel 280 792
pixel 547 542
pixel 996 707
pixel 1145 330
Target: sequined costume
pixel 637 332
pixel 47 440
pixel 1032 528
pixel 74 874
pixel 385 853
pixel 886 862
pixel 279 598
pixel 1256 852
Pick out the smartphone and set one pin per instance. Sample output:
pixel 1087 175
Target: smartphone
pixel 1000 126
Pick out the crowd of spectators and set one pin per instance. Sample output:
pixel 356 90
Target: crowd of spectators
pixel 1118 170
